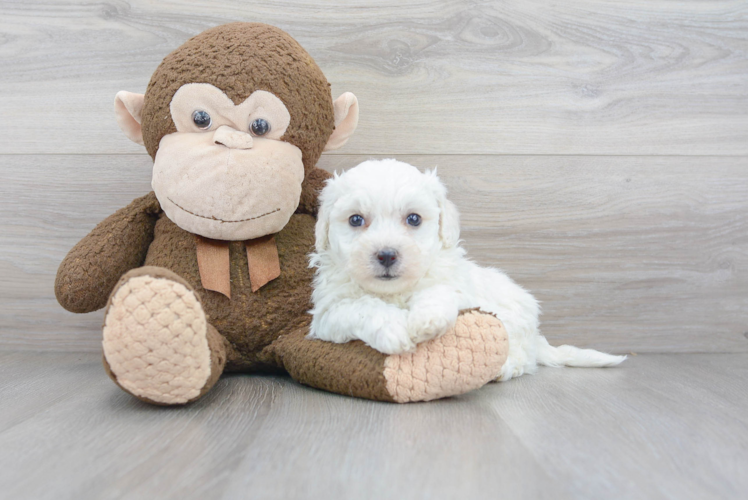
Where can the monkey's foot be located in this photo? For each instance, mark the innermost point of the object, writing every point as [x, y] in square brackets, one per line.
[158, 345]
[465, 358]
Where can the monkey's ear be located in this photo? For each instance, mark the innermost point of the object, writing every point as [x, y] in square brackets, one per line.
[346, 120]
[128, 107]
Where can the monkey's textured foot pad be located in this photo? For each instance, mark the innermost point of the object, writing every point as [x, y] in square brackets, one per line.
[156, 339]
[465, 358]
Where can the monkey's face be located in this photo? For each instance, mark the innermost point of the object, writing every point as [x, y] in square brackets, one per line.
[235, 119]
[225, 173]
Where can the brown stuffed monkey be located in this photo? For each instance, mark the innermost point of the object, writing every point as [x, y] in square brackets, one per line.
[209, 272]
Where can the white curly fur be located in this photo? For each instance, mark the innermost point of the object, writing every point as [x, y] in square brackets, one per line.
[418, 298]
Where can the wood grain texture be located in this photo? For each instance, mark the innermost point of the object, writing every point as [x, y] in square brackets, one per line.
[663, 426]
[656, 427]
[443, 77]
[29, 384]
[646, 254]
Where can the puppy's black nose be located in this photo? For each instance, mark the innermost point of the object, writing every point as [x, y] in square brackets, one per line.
[387, 257]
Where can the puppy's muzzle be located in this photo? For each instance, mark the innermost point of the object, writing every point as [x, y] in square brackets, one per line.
[387, 257]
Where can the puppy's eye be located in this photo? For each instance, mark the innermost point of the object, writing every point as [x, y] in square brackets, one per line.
[259, 127]
[201, 119]
[414, 220]
[356, 220]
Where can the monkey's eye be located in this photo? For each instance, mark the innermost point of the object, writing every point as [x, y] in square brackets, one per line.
[356, 220]
[201, 119]
[413, 220]
[259, 127]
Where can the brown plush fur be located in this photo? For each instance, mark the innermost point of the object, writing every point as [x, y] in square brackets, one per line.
[249, 320]
[240, 58]
[260, 331]
[252, 331]
[119, 243]
[353, 369]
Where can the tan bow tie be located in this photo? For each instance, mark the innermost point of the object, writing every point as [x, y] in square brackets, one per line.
[215, 269]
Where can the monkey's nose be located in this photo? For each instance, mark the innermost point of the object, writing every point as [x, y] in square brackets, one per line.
[387, 257]
[232, 138]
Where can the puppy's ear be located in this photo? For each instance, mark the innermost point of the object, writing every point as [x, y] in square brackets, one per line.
[326, 201]
[449, 217]
[449, 223]
[321, 229]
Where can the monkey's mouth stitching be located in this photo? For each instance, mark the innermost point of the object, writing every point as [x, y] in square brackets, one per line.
[216, 218]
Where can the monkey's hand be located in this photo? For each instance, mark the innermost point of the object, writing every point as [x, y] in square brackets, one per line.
[88, 274]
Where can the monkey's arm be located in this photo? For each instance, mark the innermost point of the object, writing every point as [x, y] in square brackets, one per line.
[313, 184]
[465, 358]
[119, 243]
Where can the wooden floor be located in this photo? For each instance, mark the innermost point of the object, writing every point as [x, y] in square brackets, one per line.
[659, 426]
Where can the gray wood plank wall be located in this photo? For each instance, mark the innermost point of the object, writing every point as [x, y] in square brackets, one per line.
[597, 150]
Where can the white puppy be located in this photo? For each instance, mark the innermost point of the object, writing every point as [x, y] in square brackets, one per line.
[390, 271]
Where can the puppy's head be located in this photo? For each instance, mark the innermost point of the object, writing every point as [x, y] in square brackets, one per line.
[383, 222]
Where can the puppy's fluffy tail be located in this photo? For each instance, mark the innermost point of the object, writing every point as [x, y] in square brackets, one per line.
[566, 355]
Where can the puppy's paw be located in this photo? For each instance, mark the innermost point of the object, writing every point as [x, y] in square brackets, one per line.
[392, 338]
[429, 322]
[510, 370]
